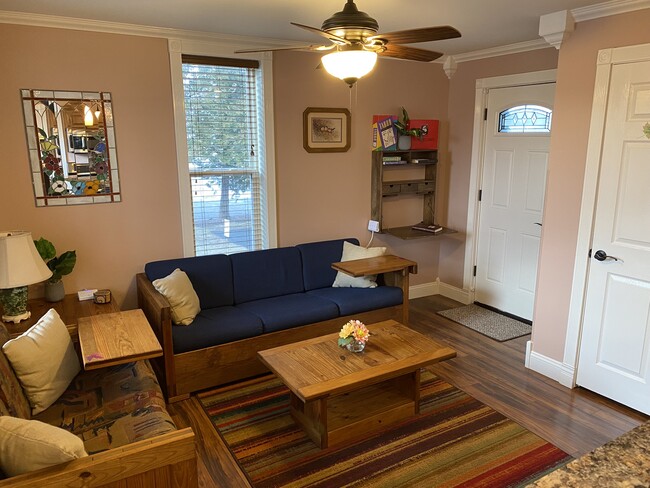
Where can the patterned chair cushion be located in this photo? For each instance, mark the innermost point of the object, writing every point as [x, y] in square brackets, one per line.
[13, 401]
[112, 407]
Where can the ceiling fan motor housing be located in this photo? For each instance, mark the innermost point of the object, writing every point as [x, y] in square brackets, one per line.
[350, 23]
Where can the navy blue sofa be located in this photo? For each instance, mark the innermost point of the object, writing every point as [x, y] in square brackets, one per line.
[253, 301]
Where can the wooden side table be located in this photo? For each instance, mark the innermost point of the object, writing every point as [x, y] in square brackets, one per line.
[70, 309]
[395, 269]
[116, 338]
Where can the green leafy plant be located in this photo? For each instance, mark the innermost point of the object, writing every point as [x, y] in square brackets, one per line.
[60, 266]
[403, 126]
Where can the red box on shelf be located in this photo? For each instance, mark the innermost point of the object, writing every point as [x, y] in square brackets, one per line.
[429, 134]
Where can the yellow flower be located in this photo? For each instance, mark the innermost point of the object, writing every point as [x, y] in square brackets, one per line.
[92, 187]
[346, 331]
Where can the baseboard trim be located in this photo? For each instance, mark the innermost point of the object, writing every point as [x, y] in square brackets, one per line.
[439, 288]
[423, 290]
[459, 294]
[551, 368]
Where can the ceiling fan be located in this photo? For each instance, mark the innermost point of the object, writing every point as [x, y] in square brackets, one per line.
[355, 43]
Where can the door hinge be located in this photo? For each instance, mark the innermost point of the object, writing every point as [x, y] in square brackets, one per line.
[485, 114]
[474, 270]
[480, 195]
[589, 254]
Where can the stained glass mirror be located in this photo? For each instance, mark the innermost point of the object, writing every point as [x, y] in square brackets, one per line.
[71, 142]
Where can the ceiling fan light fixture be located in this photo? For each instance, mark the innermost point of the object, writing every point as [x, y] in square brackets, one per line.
[349, 65]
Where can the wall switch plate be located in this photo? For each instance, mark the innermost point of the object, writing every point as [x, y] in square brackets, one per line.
[373, 226]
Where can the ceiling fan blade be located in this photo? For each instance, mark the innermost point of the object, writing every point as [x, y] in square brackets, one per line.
[425, 34]
[312, 47]
[323, 33]
[410, 53]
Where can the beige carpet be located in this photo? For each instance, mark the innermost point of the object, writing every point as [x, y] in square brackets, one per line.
[489, 323]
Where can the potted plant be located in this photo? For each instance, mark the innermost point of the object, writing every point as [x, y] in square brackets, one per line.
[405, 131]
[60, 266]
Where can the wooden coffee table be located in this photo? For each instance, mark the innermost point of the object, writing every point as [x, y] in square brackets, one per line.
[337, 395]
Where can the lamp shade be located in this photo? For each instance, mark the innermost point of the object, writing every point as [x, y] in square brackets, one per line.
[349, 65]
[20, 262]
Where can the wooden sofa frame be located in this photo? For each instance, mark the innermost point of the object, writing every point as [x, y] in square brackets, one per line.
[192, 371]
[165, 461]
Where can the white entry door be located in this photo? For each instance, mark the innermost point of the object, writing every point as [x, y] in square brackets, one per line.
[512, 196]
[615, 346]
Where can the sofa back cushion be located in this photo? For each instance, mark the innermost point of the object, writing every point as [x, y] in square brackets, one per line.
[265, 274]
[13, 401]
[211, 277]
[317, 259]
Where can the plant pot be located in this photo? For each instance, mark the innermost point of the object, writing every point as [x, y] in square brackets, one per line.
[54, 292]
[404, 143]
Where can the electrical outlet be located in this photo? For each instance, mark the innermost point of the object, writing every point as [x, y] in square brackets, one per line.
[373, 226]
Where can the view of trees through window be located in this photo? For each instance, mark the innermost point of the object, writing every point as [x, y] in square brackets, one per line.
[224, 122]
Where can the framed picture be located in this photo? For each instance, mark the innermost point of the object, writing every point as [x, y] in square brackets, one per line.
[326, 129]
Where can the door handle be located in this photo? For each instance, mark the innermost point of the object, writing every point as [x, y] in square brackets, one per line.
[601, 255]
[538, 223]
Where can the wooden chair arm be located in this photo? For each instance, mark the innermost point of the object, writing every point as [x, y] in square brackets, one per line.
[170, 457]
[158, 312]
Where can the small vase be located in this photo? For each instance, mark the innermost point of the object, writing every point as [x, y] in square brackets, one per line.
[404, 143]
[355, 346]
[54, 292]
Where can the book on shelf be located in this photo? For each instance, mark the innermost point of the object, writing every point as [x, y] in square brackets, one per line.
[391, 158]
[384, 133]
[434, 229]
[392, 163]
[423, 161]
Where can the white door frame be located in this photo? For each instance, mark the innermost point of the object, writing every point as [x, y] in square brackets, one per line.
[606, 59]
[483, 85]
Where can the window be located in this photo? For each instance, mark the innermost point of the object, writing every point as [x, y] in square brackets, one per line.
[224, 115]
[525, 118]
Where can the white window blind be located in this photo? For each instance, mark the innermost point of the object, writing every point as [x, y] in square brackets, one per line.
[224, 114]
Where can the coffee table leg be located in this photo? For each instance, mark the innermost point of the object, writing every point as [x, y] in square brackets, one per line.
[409, 386]
[312, 417]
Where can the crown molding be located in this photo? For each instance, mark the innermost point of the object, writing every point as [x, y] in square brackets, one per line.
[89, 25]
[606, 9]
[519, 47]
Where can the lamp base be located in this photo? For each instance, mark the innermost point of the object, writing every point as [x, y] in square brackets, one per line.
[17, 318]
[14, 304]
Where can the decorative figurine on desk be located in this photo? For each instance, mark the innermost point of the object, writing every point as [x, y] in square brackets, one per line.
[102, 296]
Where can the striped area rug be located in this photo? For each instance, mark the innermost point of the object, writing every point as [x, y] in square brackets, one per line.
[455, 441]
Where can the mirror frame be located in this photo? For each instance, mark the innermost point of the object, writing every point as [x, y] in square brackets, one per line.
[49, 164]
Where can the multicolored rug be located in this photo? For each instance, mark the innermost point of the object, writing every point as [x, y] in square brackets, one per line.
[455, 441]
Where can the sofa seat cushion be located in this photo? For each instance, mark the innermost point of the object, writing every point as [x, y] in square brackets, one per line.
[216, 326]
[357, 300]
[293, 310]
[111, 407]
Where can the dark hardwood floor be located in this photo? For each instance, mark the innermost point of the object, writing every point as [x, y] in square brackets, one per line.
[576, 421]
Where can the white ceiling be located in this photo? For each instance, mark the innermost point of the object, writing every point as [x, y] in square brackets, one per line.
[482, 23]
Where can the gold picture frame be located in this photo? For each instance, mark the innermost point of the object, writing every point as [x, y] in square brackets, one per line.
[326, 129]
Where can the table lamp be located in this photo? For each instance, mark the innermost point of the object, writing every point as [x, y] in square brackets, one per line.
[20, 265]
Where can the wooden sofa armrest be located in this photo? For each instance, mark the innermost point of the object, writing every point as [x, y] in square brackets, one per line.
[166, 461]
[158, 312]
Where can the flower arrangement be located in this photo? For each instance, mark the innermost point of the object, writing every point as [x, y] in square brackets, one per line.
[353, 332]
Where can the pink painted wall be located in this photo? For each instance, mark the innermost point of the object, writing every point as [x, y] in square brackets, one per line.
[327, 195]
[461, 125]
[573, 100]
[113, 241]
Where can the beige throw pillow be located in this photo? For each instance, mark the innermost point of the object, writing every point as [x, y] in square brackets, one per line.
[29, 445]
[350, 253]
[179, 292]
[44, 360]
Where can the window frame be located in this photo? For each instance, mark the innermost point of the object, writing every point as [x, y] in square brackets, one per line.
[178, 48]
